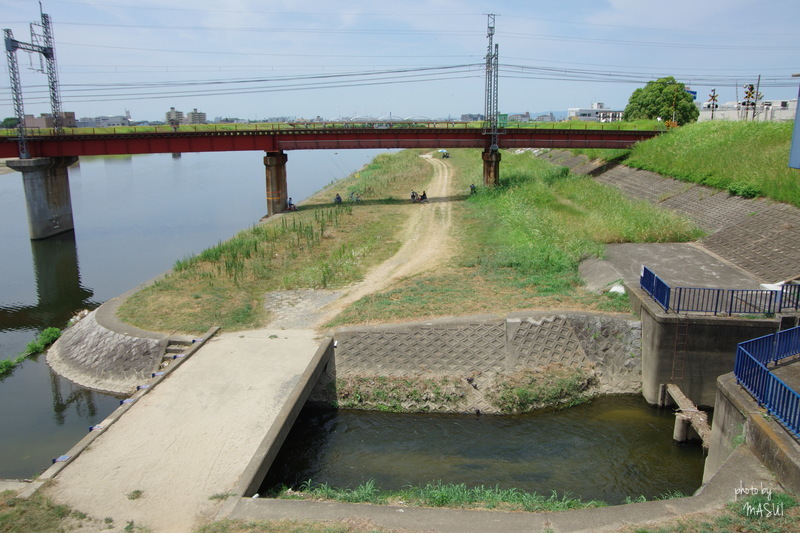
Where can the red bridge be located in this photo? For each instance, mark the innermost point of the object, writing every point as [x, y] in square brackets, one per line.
[315, 136]
[47, 182]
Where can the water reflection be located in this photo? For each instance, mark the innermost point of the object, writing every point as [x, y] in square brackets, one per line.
[79, 398]
[58, 287]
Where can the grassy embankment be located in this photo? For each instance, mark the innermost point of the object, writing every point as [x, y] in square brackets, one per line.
[745, 158]
[319, 246]
[519, 248]
[520, 244]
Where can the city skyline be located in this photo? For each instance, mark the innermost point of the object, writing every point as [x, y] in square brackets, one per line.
[255, 60]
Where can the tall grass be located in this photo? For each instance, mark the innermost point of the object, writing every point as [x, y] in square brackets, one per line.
[543, 221]
[736, 156]
[438, 494]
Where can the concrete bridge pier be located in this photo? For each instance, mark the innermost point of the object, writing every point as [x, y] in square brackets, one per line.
[277, 197]
[491, 168]
[46, 183]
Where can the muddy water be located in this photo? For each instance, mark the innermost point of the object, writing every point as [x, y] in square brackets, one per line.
[610, 449]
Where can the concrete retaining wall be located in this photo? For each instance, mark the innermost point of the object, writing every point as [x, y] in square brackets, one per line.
[99, 358]
[484, 347]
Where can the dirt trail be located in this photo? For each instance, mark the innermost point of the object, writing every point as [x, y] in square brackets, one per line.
[426, 245]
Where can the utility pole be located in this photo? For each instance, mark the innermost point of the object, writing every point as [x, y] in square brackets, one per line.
[42, 43]
[491, 85]
[757, 97]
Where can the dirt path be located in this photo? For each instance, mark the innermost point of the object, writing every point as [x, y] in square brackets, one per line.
[426, 245]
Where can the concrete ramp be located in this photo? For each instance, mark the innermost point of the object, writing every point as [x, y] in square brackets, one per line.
[193, 436]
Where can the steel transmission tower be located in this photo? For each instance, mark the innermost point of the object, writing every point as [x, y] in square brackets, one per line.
[42, 37]
[491, 86]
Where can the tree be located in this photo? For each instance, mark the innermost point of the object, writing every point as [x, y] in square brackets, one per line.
[663, 98]
[10, 122]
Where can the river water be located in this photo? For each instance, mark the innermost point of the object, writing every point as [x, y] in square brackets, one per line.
[610, 449]
[134, 217]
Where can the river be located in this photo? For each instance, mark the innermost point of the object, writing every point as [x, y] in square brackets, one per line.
[134, 217]
[611, 449]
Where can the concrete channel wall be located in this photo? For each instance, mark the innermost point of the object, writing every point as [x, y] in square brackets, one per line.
[738, 420]
[475, 351]
[709, 350]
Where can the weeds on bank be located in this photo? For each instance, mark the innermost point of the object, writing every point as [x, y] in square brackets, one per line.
[39, 513]
[322, 245]
[548, 387]
[397, 394]
[438, 494]
[36, 346]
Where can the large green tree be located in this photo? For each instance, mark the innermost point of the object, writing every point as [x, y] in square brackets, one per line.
[10, 122]
[665, 98]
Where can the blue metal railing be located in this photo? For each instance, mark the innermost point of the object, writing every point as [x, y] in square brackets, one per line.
[727, 301]
[750, 369]
[655, 287]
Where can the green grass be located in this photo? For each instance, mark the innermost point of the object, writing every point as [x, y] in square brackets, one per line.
[746, 158]
[438, 494]
[47, 337]
[548, 387]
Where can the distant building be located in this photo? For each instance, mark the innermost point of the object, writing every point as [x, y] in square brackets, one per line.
[766, 111]
[519, 117]
[597, 113]
[547, 117]
[103, 122]
[173, 116]
[472, 117]
[195, 117]
[45, 120]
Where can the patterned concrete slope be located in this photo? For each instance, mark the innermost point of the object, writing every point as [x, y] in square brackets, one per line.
[757, 235]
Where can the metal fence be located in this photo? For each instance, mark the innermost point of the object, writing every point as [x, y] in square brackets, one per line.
[750, 369]
[655, 287]
[716, 301]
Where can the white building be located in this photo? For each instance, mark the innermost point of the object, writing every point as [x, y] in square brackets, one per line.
[597, 113]
[173, 116]
[195, 117]
[766, 111]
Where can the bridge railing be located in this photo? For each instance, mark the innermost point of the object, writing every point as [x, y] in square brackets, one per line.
[752, 372]
[289, 126]
[719, 301]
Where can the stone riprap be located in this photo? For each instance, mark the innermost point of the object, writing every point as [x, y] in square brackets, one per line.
[96, 357]
[478, 352]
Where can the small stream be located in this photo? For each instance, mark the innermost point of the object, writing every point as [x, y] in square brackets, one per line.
[612, 448]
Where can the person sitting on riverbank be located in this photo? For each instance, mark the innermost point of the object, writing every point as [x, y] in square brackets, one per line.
[338, 199]
[290, 206]
[413, 196]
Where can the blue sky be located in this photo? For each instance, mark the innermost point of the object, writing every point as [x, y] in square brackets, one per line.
[255, 59]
